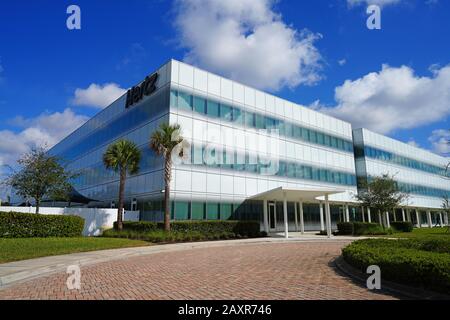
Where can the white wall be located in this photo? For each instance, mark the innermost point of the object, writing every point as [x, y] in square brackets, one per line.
[96, 220]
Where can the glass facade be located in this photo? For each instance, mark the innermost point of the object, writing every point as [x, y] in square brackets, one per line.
[378, 154]
[132, 118]
[287, 169]
[236, 115]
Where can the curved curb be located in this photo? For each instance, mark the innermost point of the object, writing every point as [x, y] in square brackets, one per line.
[406, 292]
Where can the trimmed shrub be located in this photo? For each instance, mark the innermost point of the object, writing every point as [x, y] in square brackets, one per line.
[400, 226]
[345, 228]
[29, 225]
[366, 228]
[360, 228]
[160, 236]
[242, 228]
[187, 231]
[422, 263]
[138, 226]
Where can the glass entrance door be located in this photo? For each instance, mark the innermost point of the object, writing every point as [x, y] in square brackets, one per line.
[272, 217]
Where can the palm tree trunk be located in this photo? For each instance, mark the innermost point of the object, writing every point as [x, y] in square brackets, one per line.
[167, 178]
[121, 195]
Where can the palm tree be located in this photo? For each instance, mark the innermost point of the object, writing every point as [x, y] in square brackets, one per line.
[164, 141]
[122, 156]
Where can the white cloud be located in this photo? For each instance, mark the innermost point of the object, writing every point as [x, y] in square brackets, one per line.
[413, 143]
[342, 62]
[248, 42]
[440, 141]
[98, 96]
[393, 98]
[44, 130]
[380, 3]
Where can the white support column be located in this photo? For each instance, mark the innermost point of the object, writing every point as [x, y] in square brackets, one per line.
[446, 218]
[388, 223]
[394, 211]
[380, 219]
[266, 217]
[408, 215]
[285, 212]
[369, 217]
[362, 213]
[403, 215]
[328, 216]
[430, 222]
[347, 213]
[302, 221]
[441, 221]
[419, 223]
[295, 213]
[322, 225]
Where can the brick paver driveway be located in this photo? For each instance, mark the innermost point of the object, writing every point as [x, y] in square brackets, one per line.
[294, 270]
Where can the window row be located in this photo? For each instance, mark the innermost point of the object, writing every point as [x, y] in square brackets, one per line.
[135, 116]
[275, 167]
[410, 188]
[98, 174]
[422, 190]
[214, 109]
[382, 155]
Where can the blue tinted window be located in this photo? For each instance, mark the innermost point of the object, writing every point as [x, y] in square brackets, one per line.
[213, 109]
[199, 105]
[260, 121]
[313, 136]
[320, 138]
[184, 101]
[249, 119]
[238, 116]
[305, 134]
[226, 112]
[174, 99]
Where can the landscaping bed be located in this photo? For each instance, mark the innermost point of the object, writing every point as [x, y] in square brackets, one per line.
[186, 231]
[421, 262]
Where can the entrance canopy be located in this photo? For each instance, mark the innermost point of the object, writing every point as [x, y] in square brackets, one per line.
[286, 195]
[295, 194]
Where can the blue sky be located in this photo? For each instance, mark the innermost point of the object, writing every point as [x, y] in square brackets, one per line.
[398, 78]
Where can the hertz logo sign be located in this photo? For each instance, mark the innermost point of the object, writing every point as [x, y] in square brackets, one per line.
[146, 88]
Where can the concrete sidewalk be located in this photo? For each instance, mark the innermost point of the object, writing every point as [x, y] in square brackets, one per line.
[15, 272]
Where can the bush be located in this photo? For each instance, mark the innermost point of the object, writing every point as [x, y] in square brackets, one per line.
[138, 226]
[187, 231]
[360, 228]
[345, 228]
[416, 262]
[160, 236]
[366, 228]
[28, 225]
[242, 228]
[400, 226]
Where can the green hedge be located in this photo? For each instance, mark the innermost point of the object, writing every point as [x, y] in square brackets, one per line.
[422, 263]
[240, 228]
[360, 228]
[402, 226]
[138, 226]
[366, 228]
[345, 228]
[28, 225]
[159, 236]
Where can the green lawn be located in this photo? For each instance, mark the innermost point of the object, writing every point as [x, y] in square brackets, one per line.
[422, 233]
[28, 248]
